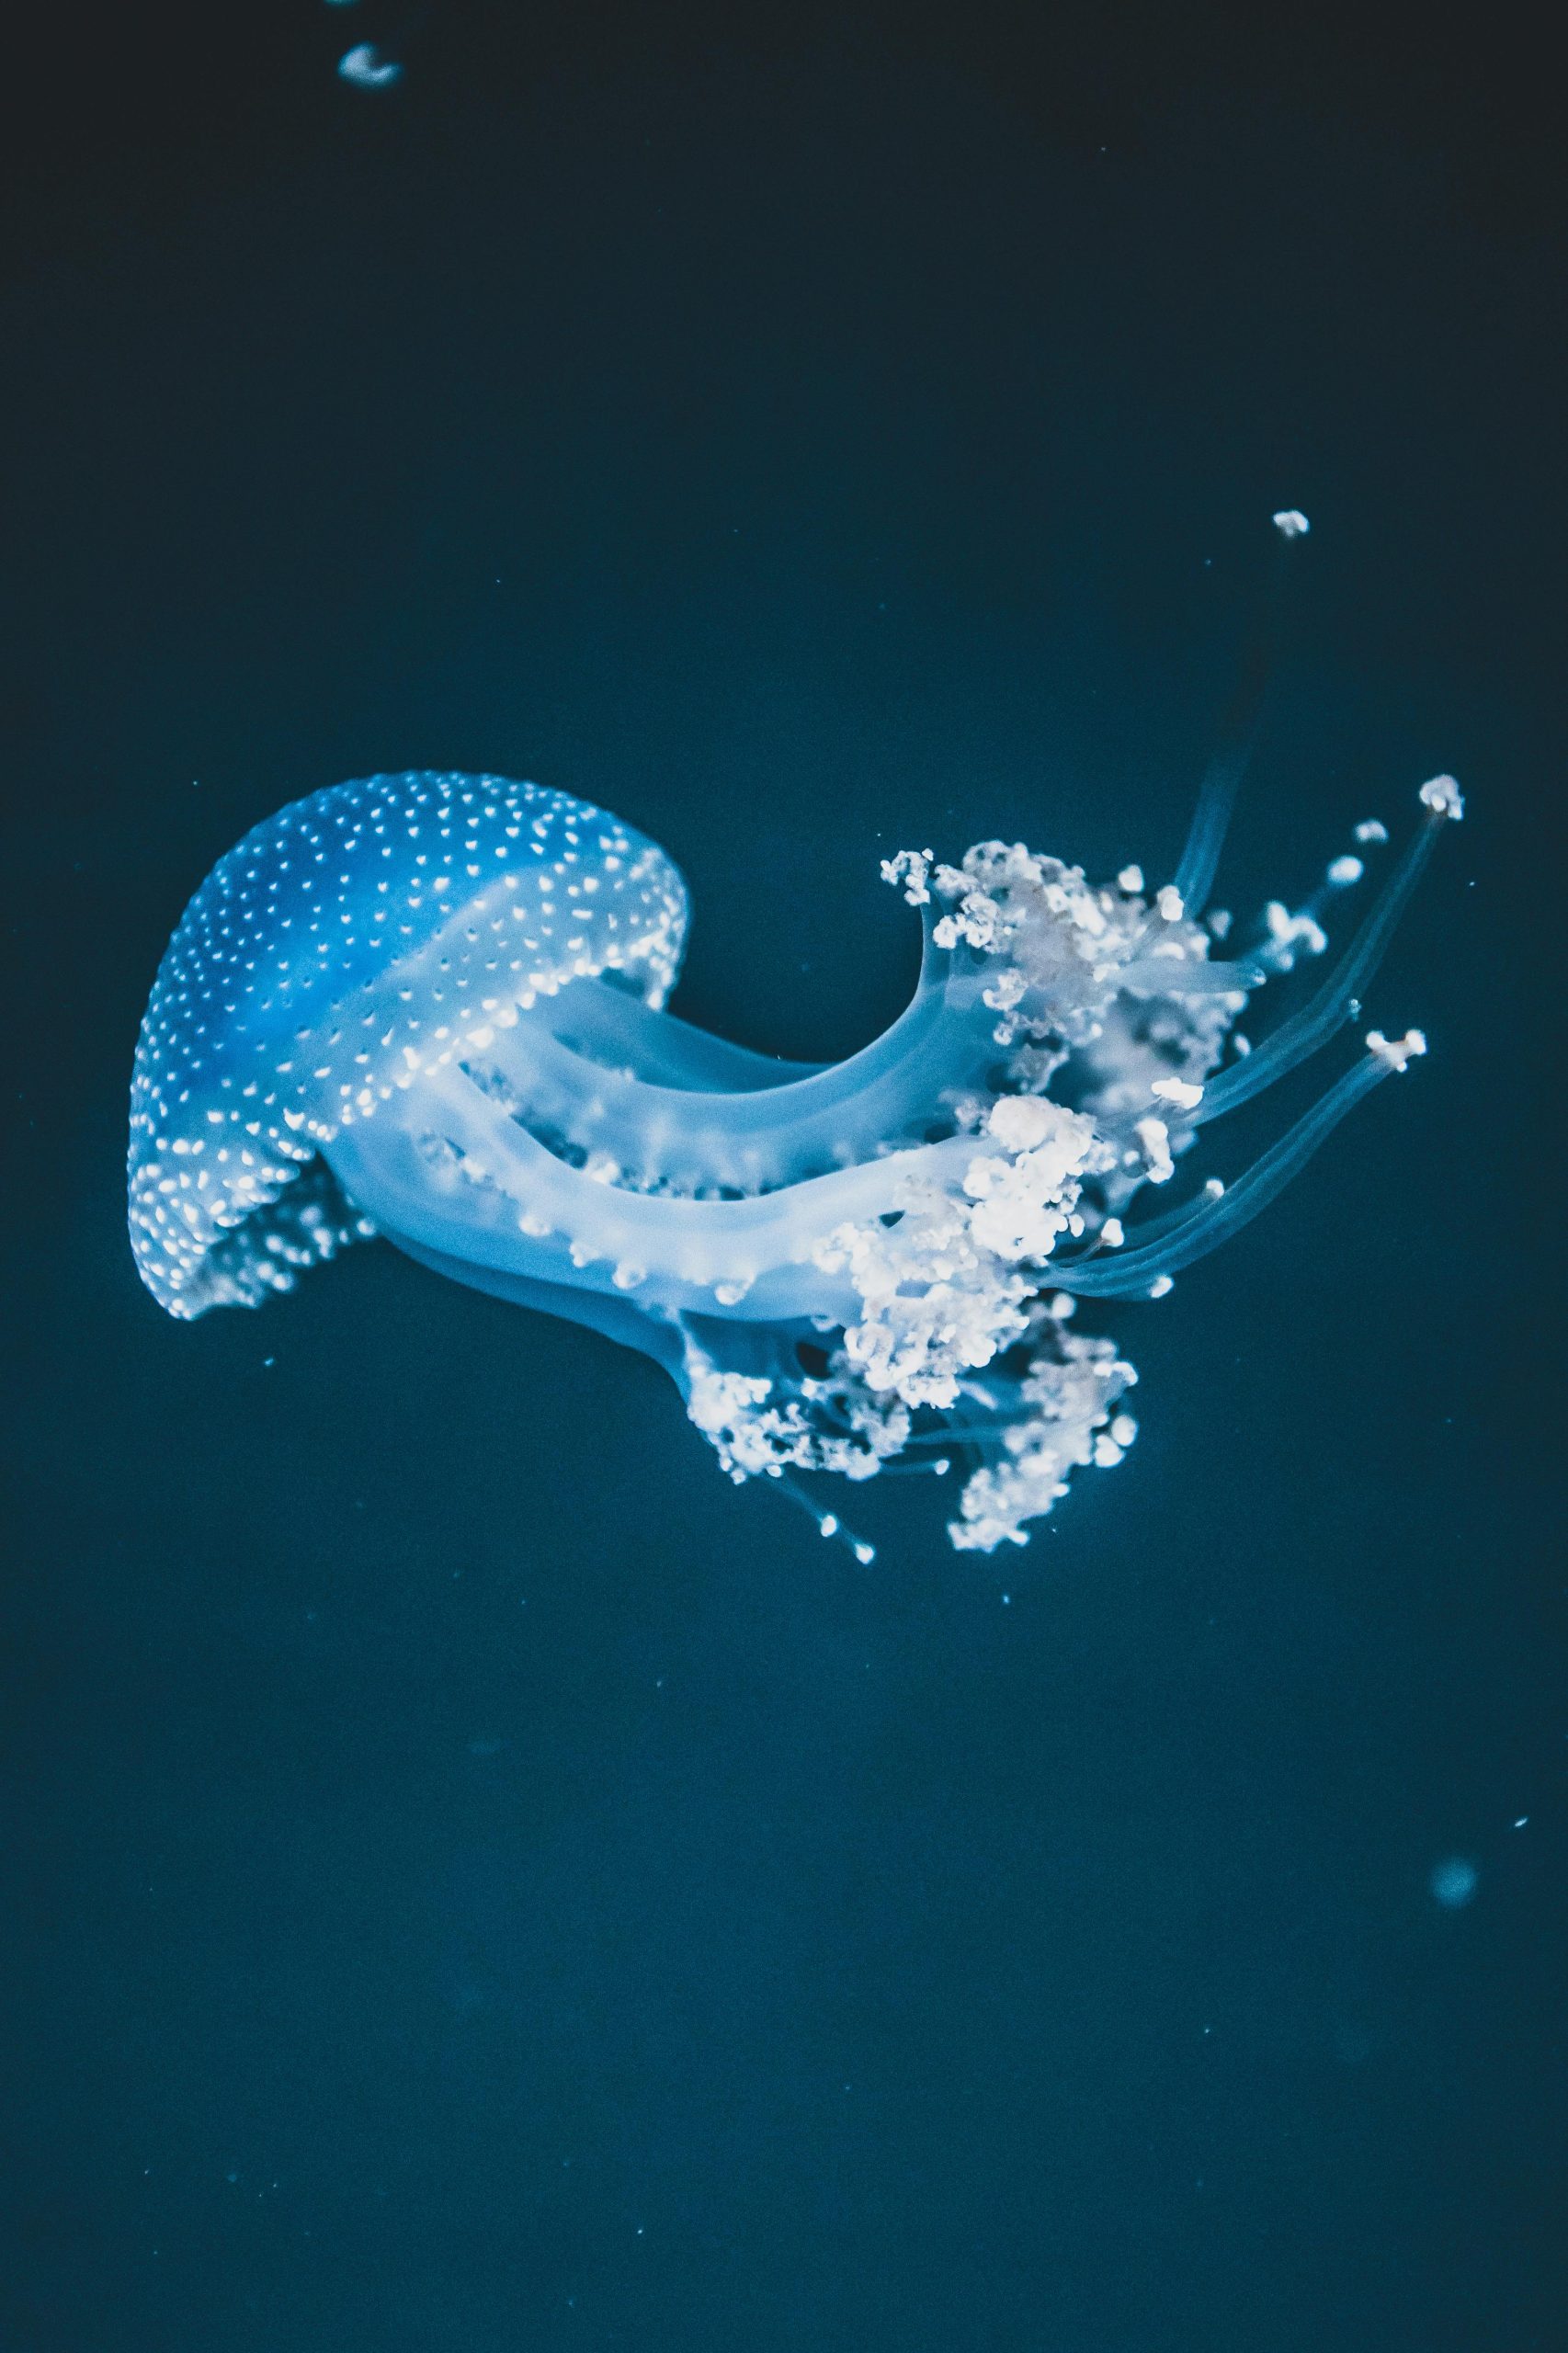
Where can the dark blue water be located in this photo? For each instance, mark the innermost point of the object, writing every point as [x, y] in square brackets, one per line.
[475, 1880]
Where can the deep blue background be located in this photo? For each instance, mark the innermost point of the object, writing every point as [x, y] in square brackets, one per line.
[472, 1880]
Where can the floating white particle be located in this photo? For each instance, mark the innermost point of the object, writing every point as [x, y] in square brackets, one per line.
[368, 70]
[1371, 829]
[1291, 524]
[1345, 871]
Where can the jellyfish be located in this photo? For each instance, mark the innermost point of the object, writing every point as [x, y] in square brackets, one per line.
[433, 1007]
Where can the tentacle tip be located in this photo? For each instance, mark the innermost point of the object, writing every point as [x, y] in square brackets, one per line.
[910, 870]
[1396, 1053]
[1291, 524]
[1182, 1093]
[1442, 796]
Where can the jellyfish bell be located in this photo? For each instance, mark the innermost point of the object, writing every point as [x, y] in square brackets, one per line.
[361, 939]
[433, 1007]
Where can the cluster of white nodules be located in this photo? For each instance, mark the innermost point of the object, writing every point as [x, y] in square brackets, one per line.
[1119, 984]
[959, 1320]
[1062, 1413]
[951, 1319]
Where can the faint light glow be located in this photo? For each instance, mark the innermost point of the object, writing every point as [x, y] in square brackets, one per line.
[1453, 1881]
[365, 66]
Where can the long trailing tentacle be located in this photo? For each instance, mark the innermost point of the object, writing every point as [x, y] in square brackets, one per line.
[1135, 1272]
[1238, 732]
[1336, 1001]
[1113, 1237]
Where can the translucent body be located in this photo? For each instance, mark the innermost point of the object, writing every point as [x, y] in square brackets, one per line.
[840, 1266]
[432, 1006]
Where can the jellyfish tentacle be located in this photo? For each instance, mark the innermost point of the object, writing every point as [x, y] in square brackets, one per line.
[751, 1142]
[1146, 1231]
[1191, 976]
[758, 1248]
[1239, 731]
[597, 1019]
[827, 1523]
[1129, 1274]
[1334, 1003]
[613, 1316]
